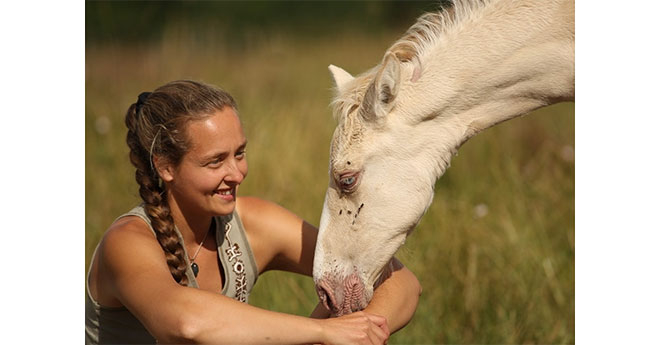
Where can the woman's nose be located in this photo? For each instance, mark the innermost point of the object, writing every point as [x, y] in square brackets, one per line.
[235, 173]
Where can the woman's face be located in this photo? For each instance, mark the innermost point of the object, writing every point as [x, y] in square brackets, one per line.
[210, 172]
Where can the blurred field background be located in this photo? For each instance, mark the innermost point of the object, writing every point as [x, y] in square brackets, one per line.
[495, 253]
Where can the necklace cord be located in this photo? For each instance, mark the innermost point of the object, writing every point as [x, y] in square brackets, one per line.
[202, 243]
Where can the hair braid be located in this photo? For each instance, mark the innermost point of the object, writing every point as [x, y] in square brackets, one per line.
[156, 207]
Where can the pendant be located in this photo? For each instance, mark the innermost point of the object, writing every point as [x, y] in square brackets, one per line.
[195, 268]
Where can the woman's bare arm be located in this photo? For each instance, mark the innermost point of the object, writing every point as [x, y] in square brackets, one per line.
[397, 297]
[291, 242]
[132, 268]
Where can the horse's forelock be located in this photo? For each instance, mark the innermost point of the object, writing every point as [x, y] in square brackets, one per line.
[345, 101]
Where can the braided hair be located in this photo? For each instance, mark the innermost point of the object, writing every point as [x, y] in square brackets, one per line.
[157, 126]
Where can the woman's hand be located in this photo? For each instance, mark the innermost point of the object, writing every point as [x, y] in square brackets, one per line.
[355, 328]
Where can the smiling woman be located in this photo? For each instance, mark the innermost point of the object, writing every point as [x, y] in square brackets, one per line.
[189, 149]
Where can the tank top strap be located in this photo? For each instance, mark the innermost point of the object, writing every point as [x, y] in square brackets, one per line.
[237, 258]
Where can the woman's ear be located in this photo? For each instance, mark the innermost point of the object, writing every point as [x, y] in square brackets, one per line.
[164, 168]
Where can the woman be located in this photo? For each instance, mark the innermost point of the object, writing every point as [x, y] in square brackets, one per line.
[187, 144]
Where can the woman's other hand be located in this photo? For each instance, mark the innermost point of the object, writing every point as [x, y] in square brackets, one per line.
[356, 328]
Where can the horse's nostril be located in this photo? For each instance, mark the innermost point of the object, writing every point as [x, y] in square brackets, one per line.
[326, 297]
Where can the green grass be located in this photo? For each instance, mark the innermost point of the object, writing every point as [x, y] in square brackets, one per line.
[505, 278]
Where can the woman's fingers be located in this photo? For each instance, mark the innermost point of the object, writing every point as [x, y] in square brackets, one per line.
[357, 328]
[376, 335]
[379, 327]
[377, 319]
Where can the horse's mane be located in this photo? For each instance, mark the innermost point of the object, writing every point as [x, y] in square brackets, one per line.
[412, 47]
[431, 27]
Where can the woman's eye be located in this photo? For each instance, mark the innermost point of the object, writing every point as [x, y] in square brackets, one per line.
[214, 163]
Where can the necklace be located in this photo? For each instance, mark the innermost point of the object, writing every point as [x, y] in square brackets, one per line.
[193, 264]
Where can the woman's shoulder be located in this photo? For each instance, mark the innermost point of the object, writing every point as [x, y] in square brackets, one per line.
[268, 220]
[259, 214]
[129, 227]
[127, 241]
[127, 237]
[279, 238]
[246, 205]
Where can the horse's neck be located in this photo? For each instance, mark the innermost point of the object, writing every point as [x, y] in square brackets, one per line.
[514, 57]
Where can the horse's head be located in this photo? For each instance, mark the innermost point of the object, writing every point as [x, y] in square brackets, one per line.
[400, 123]
[381, 183]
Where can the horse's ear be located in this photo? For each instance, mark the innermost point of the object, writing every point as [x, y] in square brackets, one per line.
[386, 85]
[340, 76]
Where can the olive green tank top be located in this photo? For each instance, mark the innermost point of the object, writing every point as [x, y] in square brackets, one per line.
[116, 325]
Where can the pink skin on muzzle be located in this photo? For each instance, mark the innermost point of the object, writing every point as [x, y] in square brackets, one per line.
[341, 295]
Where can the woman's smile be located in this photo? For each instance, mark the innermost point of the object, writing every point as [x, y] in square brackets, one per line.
[228, 194]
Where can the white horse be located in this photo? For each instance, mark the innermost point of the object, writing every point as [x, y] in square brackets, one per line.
[452, 75]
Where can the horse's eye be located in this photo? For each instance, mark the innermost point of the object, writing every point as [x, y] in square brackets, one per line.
[348, 182]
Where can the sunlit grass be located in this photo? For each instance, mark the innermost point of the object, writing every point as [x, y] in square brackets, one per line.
[495, 252]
